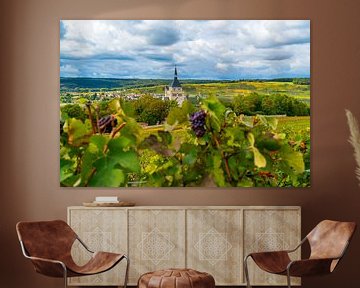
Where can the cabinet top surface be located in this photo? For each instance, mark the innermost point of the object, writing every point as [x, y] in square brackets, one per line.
[192, 207]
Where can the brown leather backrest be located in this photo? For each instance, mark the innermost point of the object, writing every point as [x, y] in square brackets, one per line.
[46, 239]
[329, 238]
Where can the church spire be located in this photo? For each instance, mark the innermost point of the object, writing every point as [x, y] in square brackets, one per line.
[174, 91]
[175, 82]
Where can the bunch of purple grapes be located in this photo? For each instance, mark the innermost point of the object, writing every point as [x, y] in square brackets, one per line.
[107, 123]
[198, 123]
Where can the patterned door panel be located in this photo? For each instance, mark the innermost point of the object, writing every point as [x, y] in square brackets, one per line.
[157, 240]
[100, 230]
[270, 230]
[214, 242]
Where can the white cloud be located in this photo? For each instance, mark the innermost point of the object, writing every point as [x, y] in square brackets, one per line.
[222, 66]
[219, 49]
[68, 71]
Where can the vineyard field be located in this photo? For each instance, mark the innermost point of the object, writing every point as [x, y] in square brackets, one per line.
[294, 123]
[225, 90]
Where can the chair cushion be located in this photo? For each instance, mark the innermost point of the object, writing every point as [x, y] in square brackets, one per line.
[176, 278]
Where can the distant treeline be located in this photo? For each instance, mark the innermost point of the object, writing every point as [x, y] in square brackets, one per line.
[269, 105]
[104, 84]
[150, 110]
[298, 81]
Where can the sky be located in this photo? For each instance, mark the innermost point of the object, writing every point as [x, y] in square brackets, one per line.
[201, 49]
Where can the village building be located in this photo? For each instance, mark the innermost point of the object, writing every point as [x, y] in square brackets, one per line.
[174, 91]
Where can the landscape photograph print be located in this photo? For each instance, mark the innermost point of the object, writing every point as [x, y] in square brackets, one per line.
[185, 103]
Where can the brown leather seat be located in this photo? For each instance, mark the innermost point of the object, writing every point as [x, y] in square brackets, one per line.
[176, 278]
[48, 245]
[328, 242]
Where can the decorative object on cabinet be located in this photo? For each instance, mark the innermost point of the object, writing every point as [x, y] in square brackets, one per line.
[185, 103]
[108, 201]
[328, 242]
[48, 245]
[109, 204]
[176, 278]
[204, 238]
[354, 140]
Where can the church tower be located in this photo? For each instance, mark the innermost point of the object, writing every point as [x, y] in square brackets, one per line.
[174, 91]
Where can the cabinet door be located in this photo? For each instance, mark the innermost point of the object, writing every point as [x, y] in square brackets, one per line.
[270, 230]
[214, 244]
[101, 230]
[156, 240]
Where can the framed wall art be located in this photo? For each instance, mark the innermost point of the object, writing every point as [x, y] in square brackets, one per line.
[185, 103]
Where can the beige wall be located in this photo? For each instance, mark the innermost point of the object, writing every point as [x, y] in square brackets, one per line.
[29, 111]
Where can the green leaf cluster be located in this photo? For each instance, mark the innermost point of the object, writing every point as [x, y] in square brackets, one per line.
[236, 151]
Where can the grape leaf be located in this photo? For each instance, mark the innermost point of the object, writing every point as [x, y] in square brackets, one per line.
[251, 139]
[245, 182]
[166, 137]
[259, 159]
[119, 143]
[191, 153]
[93, 152]
[99, 142]
[126, 159]
[216, 170]
[233, 166]
[78, 132]
[293, 159]
[114, 106]
[214, 107]
[66, 169]
[191, 157]
[235, 136]
[72, 181]
[273, 122]
[107, 177]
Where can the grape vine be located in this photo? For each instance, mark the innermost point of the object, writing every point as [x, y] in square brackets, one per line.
[215, 147]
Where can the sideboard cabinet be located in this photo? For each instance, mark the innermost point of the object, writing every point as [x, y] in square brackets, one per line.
[212, 239]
